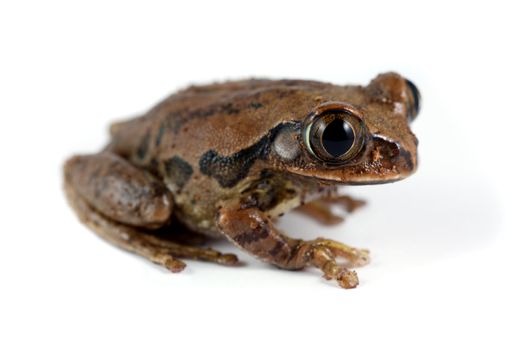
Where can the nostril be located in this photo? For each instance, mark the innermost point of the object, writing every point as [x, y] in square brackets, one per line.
[415, 96]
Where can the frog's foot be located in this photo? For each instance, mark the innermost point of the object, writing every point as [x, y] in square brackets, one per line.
[158, 250]
[176, 250]
[354, 257]
[320, 209]
[323, 253]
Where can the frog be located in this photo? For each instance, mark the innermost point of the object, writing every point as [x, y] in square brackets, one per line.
[228, 159]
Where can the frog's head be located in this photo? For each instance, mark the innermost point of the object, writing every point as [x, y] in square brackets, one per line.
[363, 140]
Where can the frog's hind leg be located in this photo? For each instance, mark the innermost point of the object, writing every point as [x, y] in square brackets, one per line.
[141, 241]
[160, 251]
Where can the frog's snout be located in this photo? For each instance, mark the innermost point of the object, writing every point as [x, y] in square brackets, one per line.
[385, 161]
[395, 160]
[406, 163]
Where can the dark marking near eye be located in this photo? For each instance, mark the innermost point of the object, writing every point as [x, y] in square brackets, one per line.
[160, 133]
[178, 170]
[229, 170]
[144, 146]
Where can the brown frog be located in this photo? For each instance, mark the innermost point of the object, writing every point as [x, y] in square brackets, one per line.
[225, 160]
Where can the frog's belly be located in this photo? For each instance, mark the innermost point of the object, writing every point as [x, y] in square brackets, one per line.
[284, 207]
[201, 217]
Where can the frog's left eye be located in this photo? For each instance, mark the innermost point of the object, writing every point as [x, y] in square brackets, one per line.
[415, 100]
[334, 133]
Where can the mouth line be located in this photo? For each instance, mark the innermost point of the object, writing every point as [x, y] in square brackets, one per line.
[372, 182]
[362, 182]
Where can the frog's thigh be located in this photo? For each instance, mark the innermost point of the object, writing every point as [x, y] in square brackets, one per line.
[252, 230]
[119, 190]
[123, 236]
[134, 239]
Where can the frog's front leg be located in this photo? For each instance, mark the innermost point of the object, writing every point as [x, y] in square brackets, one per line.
[124, 205]
[251, 229]
[320, 209]
[349, 203]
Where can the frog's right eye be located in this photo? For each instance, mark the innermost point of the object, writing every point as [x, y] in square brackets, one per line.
[334, 133]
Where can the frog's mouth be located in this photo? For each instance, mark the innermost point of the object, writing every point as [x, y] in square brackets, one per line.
[384, 161]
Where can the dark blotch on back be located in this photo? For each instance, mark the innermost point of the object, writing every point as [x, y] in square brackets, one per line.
[256, 105]
[178, 170]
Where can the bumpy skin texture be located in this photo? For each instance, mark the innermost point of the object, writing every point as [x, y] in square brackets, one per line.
[225, 159]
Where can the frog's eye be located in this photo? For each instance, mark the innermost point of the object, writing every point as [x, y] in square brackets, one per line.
[334, 134]
[414, 100]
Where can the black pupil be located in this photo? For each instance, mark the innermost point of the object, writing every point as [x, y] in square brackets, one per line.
[338, 137]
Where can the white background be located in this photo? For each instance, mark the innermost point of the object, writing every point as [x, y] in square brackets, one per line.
[447, 244]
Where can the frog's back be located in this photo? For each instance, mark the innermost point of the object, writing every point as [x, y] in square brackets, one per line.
[226, 117]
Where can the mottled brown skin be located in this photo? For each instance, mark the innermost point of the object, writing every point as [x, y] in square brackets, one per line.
[225, 159]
